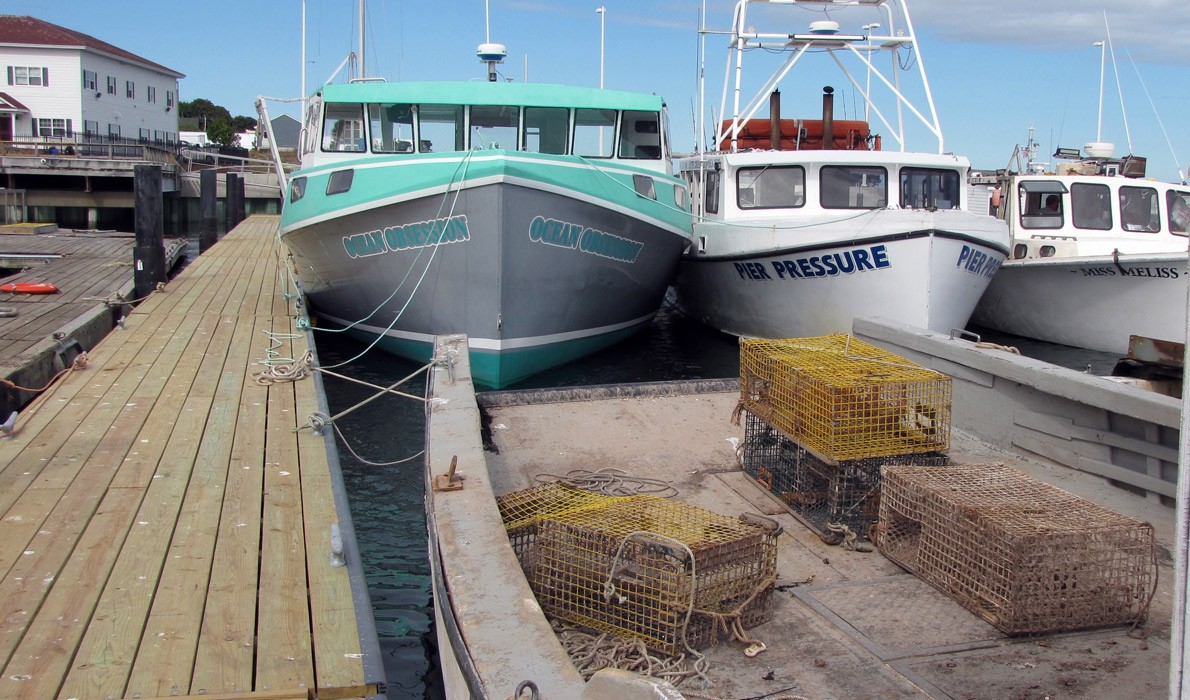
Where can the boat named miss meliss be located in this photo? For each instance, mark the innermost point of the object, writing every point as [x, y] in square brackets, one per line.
[540, 220]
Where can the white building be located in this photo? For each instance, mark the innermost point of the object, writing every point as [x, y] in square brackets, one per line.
[59, 83]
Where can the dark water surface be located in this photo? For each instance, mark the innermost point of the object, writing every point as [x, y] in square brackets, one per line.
[386, 501]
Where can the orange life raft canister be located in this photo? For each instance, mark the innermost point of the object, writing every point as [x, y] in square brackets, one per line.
[28, 288]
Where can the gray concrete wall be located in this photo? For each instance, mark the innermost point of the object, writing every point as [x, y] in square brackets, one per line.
[1122, 433]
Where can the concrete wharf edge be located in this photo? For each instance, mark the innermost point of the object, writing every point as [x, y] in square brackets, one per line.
[164, 526]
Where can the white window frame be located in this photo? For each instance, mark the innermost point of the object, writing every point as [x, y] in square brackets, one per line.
[151, 94]
[90, 80]
[28, 75]
[130, 89]
[111, 84]
[57, 128]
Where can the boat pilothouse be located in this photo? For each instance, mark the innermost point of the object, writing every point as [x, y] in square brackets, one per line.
[431, 208]
[803, 224]
[1098, 253]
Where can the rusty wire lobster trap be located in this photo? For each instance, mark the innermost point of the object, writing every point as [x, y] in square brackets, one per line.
[833, 499]
[644, 567]
[844, 399]
[1026, 556]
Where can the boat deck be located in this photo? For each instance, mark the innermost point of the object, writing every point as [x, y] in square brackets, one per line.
[88, 269]
[845, 624]
[164, 528]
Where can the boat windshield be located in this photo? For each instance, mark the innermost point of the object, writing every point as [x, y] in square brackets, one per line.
[853, 187]
[771, 187]
[392, 127]
[929, 188]
[1178, 204]
[1090, 206]
[1138, 209]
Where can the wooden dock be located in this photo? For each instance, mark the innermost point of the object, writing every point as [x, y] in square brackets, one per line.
[164, 526]
[90, 269]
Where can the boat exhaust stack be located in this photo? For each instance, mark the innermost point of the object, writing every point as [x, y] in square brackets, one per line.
[828, 118]
[775, 120]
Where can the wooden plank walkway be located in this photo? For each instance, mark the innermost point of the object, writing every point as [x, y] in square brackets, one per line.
[90, 269]
[164, 529]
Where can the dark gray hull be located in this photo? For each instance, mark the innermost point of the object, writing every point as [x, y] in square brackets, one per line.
[529, 294]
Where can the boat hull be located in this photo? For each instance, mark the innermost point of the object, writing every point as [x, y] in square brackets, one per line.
[1093, 302]
[534, 277]
[926, 278]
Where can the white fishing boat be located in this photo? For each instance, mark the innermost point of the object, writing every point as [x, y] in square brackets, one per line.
[1098, 253]
[802, 225]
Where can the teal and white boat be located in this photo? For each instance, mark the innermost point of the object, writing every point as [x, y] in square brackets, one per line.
[540, 220]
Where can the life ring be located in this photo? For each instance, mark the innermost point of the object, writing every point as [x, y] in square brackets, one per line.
[28, 288]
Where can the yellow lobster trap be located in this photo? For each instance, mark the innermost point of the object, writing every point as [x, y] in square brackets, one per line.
[642, 567]
[844, 399]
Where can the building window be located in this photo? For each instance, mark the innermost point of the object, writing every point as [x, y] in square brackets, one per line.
[169, 99]
[90, 80]
[28, 75]
[113, 130]
[111, 84]
[144, 135]
[158, 136]
[151, 94]
[90, 128]
[52, 127]
[130, 90]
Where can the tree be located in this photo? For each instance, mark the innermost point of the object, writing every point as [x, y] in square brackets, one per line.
[242, 123]
[220, 132]
[205, 111]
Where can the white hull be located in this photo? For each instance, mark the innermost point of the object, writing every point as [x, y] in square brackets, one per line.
[918, 275]
[1091, 302]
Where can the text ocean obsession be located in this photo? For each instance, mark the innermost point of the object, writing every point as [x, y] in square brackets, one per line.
[585, 239]
[416, 235]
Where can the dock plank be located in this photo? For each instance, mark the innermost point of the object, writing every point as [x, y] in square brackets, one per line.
[164, 526]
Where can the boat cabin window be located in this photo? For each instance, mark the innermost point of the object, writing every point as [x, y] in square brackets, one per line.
[929, 188]
[310, 130]
[546, 129]
[343, 128]
[1041, 204]
[1178, 204]
[771, 187]
[853, 187]
[594, 131]
[1090, 206]
[1138, 209]
[391, 127]
[640, 135]
[495, 126]
[440, 128]
[710, 197]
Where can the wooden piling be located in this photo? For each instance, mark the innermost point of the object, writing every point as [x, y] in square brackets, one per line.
[149, 254]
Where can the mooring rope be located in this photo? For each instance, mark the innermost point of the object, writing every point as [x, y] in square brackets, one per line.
[611, 481]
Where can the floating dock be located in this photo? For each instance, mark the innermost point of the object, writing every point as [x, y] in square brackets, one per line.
[93, 272]
[165, 526]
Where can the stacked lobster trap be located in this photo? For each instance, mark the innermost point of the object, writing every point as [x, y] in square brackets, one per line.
[641, 567]
[823, 414]
[1026, 556]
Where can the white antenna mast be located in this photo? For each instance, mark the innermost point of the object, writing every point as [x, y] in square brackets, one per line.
[1119, 88]
[361, 38]
[490, 53]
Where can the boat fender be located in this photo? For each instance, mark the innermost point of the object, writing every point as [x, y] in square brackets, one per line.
[29, 288]
[7, 312]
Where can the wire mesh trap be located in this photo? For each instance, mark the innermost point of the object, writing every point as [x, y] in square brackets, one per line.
[647, 568]
[844, 399]
[831, 499]
[1027, 557]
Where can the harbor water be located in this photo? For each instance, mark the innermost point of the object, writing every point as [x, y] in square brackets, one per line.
[386, 500]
